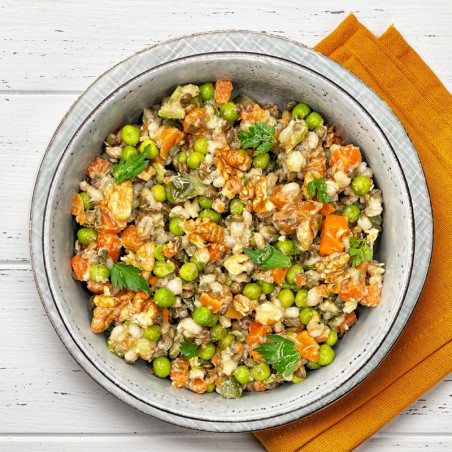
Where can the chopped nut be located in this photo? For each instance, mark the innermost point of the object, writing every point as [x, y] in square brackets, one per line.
[119, 199]
[244, 304]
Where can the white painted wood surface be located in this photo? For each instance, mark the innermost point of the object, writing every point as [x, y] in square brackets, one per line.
[50, 51]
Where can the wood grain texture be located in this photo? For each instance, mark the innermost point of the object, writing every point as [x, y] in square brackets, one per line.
[49, 53]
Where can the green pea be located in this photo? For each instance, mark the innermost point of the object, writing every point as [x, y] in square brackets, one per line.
[226, 341]
[229, 112]
[301, 110]
[158, 253]
[174, 226]
[199, 265]
[214, 320]
[128, 152]
[207, 91]
[152, 333]
[182, 157]
[153, 150]
[261, 371]
[218, 333]
[286, 297]
[195, 159]
[205, 203]
[207, 351]
[99, 273]
[313, 120]
[236, 207]
[267, 288]
[162, 366]
[293, 272]
[252, 291]
[301, 299]
[242, 374]
[261, 161]
[201, 145]
[203, 316]
[211, 387]
[306, 315]
[164, 297]
[162, 269]
[361, 185]
[130, 135]
[296, 379]
[188, 272]
[160, 172]
[285, 246]
[159, 192]
[230, 388]
[86, 235]
[210, 213]
[86, 200]
[313, 365]
[326, 355]
[351, 212]
[332, 338]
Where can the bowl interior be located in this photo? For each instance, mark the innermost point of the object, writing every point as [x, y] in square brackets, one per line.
[267, 79]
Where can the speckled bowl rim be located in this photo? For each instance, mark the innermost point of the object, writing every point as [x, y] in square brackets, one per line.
[174, 417]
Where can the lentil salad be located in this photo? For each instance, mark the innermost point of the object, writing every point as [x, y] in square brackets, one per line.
[228, 244]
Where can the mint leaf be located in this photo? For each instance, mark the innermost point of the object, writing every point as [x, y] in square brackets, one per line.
[268, 258]
[188, 348]
[128, 277]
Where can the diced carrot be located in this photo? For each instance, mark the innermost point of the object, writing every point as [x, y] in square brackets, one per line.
[285, 194]
[179, 379]
[78, 209]
[215, 251]
[223, 90]
[372, 296]
[213, 303]
[108, 223]
[349, 321]
[300, 279]
[98, 167]
[259, 386]
[345, 158]
[334, 229]
[98, 287]
[80, 266]
[307, 346]
[195, 121]
[256, 332]
[199, 386]
[327, 208]
[170, 250]
[112, 243]
[130, 238]
[168, 138]
[153, 281]
[353, 290]
[256, 114]
[233, 313]
[165, 315]
[215, 360]
[279, 274]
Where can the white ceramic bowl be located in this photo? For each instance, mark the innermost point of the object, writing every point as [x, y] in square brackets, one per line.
[118, 97]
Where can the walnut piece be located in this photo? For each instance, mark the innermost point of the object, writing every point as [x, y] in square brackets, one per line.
[202, 230]
[244, 304]
[119, 199]
[332, 267]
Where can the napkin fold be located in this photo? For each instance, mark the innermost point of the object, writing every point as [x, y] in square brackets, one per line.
[423, 354]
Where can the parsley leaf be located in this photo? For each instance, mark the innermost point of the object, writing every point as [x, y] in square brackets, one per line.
[319, 186]
[281, 353]
[131, 168]
[259, 136]
[268, 258]
[359, 251]
[188, 348]
[128, 277]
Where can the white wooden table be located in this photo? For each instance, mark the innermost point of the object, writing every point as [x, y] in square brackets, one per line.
[50, 51]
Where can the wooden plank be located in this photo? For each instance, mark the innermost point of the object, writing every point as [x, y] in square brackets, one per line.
[28, 123]
[72, 402]
[406, 443]
[47, 46]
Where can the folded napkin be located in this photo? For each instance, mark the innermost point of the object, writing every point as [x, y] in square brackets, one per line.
[423, 354]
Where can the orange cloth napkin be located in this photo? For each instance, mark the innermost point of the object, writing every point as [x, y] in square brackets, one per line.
[423, 354]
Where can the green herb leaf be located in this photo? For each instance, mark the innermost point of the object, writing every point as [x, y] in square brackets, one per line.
[281, 353]
[259, 136]
[268, 258]
[128, 277]
[319, 186]
[131, 168]
[359, 251]
[188, 348]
